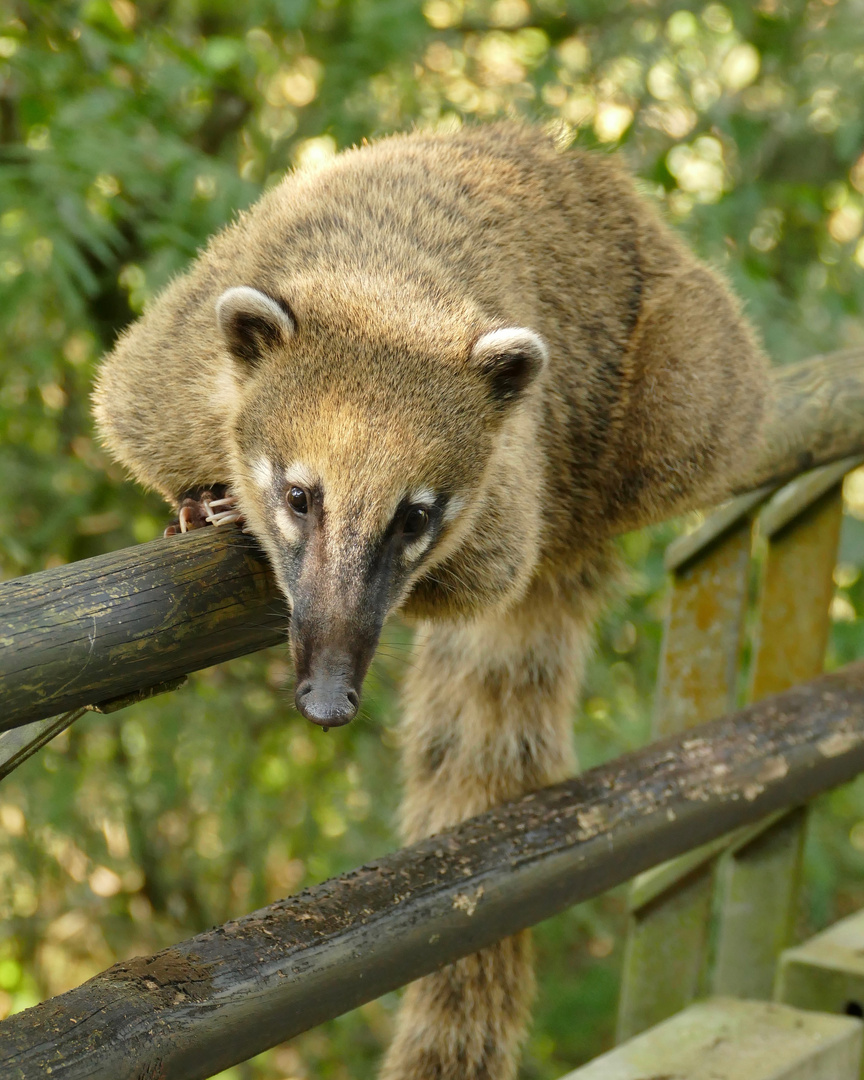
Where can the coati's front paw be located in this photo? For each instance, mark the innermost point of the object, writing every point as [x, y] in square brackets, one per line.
[205, 506]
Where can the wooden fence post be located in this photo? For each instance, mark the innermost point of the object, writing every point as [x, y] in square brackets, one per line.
[670, 906]
[759, 882]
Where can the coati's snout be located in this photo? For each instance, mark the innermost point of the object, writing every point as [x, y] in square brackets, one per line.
[329, 677]
[332, 651]
[327, 703]
[335, 624]
[343, 581]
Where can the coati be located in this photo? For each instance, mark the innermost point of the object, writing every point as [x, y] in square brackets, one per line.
[435, 377]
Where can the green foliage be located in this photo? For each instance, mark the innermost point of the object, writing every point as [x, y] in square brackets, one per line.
[130, 131]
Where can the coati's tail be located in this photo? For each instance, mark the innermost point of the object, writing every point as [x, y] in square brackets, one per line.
[468, 1020]
[488, 716]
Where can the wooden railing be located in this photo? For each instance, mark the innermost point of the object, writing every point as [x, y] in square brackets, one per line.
[218, 998]
[710, 821]
[794, 536]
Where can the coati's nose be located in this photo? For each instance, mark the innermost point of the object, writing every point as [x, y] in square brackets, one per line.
[328, 703]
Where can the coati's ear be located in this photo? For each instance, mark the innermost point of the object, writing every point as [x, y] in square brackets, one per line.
[511, 359]
[252, 322]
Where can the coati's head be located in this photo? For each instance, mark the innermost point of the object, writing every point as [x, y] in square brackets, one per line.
[377, 457]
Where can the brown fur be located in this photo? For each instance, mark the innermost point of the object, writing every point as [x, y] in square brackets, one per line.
[394, 260]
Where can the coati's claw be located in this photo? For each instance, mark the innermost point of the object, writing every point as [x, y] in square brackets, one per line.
[223, 511]
[201, 507]
[228, 518]
[187, 518]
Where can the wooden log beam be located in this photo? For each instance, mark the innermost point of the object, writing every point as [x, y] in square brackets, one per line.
[104, 628]
[232, 992]
[107, 627]
[817, 417]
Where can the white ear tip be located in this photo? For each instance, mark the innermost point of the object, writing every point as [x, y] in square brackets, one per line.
[510, 359]
[512, 339]
[244, 300]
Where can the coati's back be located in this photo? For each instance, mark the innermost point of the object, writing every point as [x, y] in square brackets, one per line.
[435, 237]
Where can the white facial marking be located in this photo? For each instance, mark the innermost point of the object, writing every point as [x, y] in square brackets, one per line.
[288, 525]
[454, 507]
[297, 474]
[224, 390]
[262, 473]
[415, 548]
[422, 497]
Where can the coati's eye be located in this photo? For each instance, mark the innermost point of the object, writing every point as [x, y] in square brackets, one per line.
[297, 500]
[415, 523]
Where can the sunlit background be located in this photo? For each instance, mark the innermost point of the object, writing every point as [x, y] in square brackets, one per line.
[131, 131]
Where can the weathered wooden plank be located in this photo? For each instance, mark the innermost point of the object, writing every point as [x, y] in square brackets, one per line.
[790, 500]
[759, 882]
[655, 882]
[670, 906]
[667, 935]
[102, 628]
[826, 972]
[797, 586]
[702, 636]
[728, 1039]
[795, 498]
[227, 994]
[756, 902]
[714, 528]
[665, 951]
